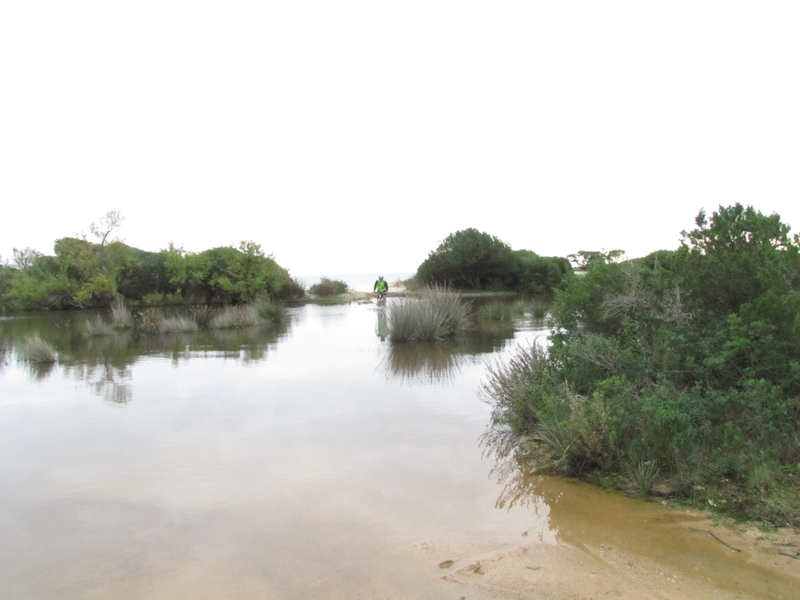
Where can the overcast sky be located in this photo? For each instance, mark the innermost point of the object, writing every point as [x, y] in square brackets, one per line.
[350, 137]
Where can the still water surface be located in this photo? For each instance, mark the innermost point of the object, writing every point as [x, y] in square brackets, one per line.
[257, 464]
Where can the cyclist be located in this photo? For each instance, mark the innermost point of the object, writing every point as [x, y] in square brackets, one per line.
[381, 287]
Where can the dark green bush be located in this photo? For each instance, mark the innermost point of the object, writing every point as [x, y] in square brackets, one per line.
[474, 260]
[683, 363]
[328, 287]
[82, 274]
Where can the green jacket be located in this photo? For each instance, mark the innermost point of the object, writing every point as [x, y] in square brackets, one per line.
[380, 286]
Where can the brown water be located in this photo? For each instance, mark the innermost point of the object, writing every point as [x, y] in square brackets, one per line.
[313, 462]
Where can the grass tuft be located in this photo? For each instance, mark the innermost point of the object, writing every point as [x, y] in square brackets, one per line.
[436, 314]
[500, 311]
[178, 324]
[641, 474]
[270, 312]
[96, 326]
[35, 349]
[121, 317]
[235, 316]
[149, 320]
[203, 315]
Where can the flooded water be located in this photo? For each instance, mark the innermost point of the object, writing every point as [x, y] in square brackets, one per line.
[313, 462]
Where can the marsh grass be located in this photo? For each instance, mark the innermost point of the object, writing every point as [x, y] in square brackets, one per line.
[536, 308]
[500, 311]
[36, 350]
[235, 316]
[269, 312]
[437, 313]
[149, 321]
[202, 314]
[641, 474]
[178, 324]
[97, 326]
[121, 317]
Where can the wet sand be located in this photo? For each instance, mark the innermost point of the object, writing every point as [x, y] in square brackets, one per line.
[596, 569]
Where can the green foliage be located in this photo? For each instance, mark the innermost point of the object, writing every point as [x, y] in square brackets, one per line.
[533, 274]
[688, 358]
[585, 259]
[474, 260]
[82, 275]
[328, 287]
[293, 289]
[467, 259]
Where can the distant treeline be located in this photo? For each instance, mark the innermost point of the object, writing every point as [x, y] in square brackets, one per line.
[82, 274]
[474, 260]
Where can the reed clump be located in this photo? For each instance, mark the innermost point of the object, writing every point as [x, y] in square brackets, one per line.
[538, 309]
[270, 312]
[203, 314]
[500, 311]
[149, 321]
[97, 326]
[178, 324]
[234, 317]
[121, 316]
[36, 350]
[437, 313]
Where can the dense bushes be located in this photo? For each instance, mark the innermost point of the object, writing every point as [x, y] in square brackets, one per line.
[82, 274]
[328, 287]
[684, 363]
[471, 259]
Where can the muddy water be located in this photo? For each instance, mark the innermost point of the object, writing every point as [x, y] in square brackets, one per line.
[313, 462]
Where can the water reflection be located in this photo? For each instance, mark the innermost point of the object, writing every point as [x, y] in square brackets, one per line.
[5, 351]
[112, 383]
[428, 362]
[440, 362]
[104, 362]
[39, 370]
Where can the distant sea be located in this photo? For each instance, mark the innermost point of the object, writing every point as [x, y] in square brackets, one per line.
[361, 282]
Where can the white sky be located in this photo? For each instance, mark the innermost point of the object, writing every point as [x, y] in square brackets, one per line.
[349, 137]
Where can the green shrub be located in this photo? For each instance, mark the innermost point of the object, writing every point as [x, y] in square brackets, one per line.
[474, 260]
[687, 358]
[328, 287]
[294, 289]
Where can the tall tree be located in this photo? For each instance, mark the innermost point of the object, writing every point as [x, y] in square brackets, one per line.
[112, 220]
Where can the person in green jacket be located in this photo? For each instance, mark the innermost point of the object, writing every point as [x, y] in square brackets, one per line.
[381, 287]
